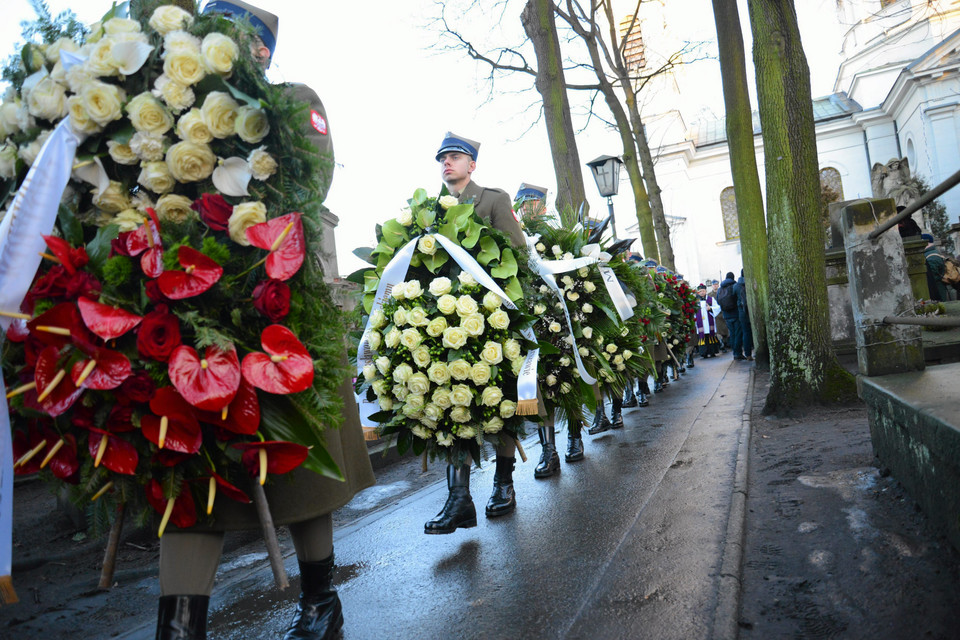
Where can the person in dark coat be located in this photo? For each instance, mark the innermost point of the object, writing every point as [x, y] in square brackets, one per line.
[935, 270]
[727, 300]
[304, 501]
[740, 289]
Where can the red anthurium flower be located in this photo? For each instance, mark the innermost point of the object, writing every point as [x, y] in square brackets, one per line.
[288, 368]
[283, 238]
[229, 490]
[29, 449]
[243, 413]
[18, 330]
[169, 458]
[71, 259]
[104, 369]
[56, 392]
[174, 426]
[120, 419]
[105, 321]
[209, 383]
[64, 464]
[149, 245]
[199, 274]
[281, 456]
[184, 512]
[55, 326]
[113, 452]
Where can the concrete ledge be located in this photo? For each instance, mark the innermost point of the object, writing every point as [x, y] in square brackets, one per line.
[914, 428]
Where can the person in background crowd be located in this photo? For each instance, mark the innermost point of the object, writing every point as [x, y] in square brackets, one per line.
[907, 227]
[740, 289]
[723, 331]
[727, 300]
[935, 270]
[707, 311]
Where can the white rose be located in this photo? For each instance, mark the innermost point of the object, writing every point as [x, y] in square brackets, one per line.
[383, 365]
[174, 208]
[492, 353]
[446, 304]
[399, 292]
[440, 286]
[511, 349]
[611, 348]
[441, 398]
[466, 306]
[627, 354]
[454, 337]
[588, 332]
[427, 245]
[8, 160]
[262, 164]
[251, 124]
[447, 201]
[375, 339]
[402, 373]
[392, 339]
[439, 373]
[385, 402]
[100, 61]
[113, 199]
[473, 324]
[47, 100]
[461, 395]
[219, 112]
[176, 96]
[444, 439]
[491, 396]
[499, 319]
[539, 309]
[410, 411]
[436, 326]
[432, 412]
[589, 287]
[147, 114]
[156, 176]
[467, 432]
[400, 317]
[219, 52]
[460, 414]
[554, 327]
[480, 373]
[121, 25]
[587, 307]
[564, 361]
[573, 296]
[400, 392]
[127, 220]
[551, 380]
[8, 117]
[540, 247]
[102, 102]
[121, 153]
[378, 319]
[493, 425]
[583, 272]
[583, 351]
[369, 372]
[491, 301]
[244, 216]
[557, 251]
[466, 279]
[406, 217]
[189, 162]
[566, 387]
[618, 359]
[168, 17]
[568, 256]
[62, 44]
[411, 338]
[183, 66]
[459, 369]
[417, 317]
[192, 128]
[418, 383]
[180, 40]
[507, 409]
[412, 289]
[567, 282]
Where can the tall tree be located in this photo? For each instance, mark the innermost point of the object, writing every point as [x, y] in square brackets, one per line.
[743, 166]
[803, 366]
[540, 26]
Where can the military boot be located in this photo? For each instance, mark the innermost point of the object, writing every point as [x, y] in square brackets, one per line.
[616, 418]
[549, 458]
[629, 398]
[690, 364]
[503, 500]
[574, 444]
[458, 511]
[182, 618]
[319, 613]
[600, 422]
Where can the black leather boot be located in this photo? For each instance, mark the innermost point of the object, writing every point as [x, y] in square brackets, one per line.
[600, 422]
[503, 500]
[549, 458]
[616, 417]
[574, 444]
[690, 364]
[642, 400]
[182, 618]
[319, 613]
[629, 398]
[657, 385]
[458, 511]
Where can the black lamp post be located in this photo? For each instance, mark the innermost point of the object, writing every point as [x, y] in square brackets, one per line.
[606, 171]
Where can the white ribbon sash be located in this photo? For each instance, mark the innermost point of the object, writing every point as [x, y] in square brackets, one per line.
[395, 273]
[615, 289]
[31, 215]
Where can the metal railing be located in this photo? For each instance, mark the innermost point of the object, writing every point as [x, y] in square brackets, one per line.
[940, 321]
[918, 204]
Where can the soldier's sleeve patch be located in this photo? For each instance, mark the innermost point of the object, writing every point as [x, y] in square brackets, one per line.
[318, 122]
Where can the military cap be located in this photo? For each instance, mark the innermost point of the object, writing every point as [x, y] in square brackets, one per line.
[264, 22]
[650, 263]
[530, 192]
[701, 286]
[453, 142]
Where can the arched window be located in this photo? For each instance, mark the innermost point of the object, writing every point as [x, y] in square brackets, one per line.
[831, 187]
[728, 208]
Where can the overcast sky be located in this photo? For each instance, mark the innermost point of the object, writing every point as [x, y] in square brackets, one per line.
[390, 95]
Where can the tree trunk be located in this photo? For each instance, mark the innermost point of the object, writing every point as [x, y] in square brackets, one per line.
[803, 366]
[743, 166]
[539, 24]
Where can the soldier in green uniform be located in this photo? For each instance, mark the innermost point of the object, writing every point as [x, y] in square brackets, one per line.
[458, 160]
[189, 559]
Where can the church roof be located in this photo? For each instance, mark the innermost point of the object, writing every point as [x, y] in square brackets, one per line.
[835, 105]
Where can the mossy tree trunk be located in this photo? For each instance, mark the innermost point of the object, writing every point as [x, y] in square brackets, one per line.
[540, 26]
[743, 166]
[803, 366]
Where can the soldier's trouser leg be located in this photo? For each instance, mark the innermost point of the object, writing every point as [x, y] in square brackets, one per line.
[319, 613]
[188, 565]
[313, 539]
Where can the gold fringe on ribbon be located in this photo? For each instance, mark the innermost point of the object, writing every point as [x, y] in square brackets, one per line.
[370, 434]
[7, 593]
[527, 407]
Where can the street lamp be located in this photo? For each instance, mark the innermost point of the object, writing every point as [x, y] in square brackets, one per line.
[606, 171]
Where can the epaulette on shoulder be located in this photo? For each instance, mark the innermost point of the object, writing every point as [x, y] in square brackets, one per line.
[495, 190]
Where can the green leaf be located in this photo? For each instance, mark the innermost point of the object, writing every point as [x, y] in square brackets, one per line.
[364, 253]
[368, 301]
[473, 229]
[281, 419]
[459, 213]
[507, 267]
[488, 250]
[449, 230]
[613, 315]
[513, 289]
[98, 249]
[419, 196]
[358, 276]
[69, 225]
[371, 281]
[435, 261]
[394, 233]
[425, 217]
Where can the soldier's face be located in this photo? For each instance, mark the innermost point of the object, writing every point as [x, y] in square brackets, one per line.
[456, 167]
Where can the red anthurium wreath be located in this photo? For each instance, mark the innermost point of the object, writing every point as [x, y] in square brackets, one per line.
[105, 321]
[199, 274]
[209, 383]
[56, 392]
[103, 369]
[71, 258]
[271, 456]
[283, 238]
[173, 424]
[215, 481]
[243, 412]
[146, 240]
[287, 369]
[180, 510]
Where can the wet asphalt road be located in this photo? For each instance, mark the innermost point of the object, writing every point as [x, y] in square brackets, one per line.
[624, 544]
[627, 543]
